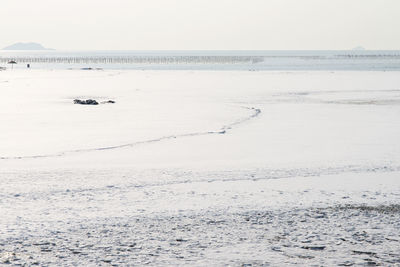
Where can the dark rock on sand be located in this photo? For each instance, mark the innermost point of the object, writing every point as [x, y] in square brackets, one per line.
[86, 102]
[92, 102]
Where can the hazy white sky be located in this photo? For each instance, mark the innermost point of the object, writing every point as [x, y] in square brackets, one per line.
[202, 24]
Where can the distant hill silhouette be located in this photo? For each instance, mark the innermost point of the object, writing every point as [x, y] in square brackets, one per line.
[26, 46]
[359, 48]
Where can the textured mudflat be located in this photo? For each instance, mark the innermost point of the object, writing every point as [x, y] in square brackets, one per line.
[343, 235]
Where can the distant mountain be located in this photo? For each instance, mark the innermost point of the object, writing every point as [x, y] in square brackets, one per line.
[359, 48]
[26, 46]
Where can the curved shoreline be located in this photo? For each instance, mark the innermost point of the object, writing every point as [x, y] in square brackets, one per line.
[224, 129]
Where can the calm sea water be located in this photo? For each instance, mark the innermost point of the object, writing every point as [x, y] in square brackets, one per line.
[382, 60]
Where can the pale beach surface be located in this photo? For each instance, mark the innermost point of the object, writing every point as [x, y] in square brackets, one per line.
[204, 168]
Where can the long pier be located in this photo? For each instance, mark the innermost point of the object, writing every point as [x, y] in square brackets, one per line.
[135, 59]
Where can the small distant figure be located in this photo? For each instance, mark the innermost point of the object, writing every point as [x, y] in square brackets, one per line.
[28, 65]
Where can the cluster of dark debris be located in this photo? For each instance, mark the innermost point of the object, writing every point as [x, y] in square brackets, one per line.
[92, 102]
